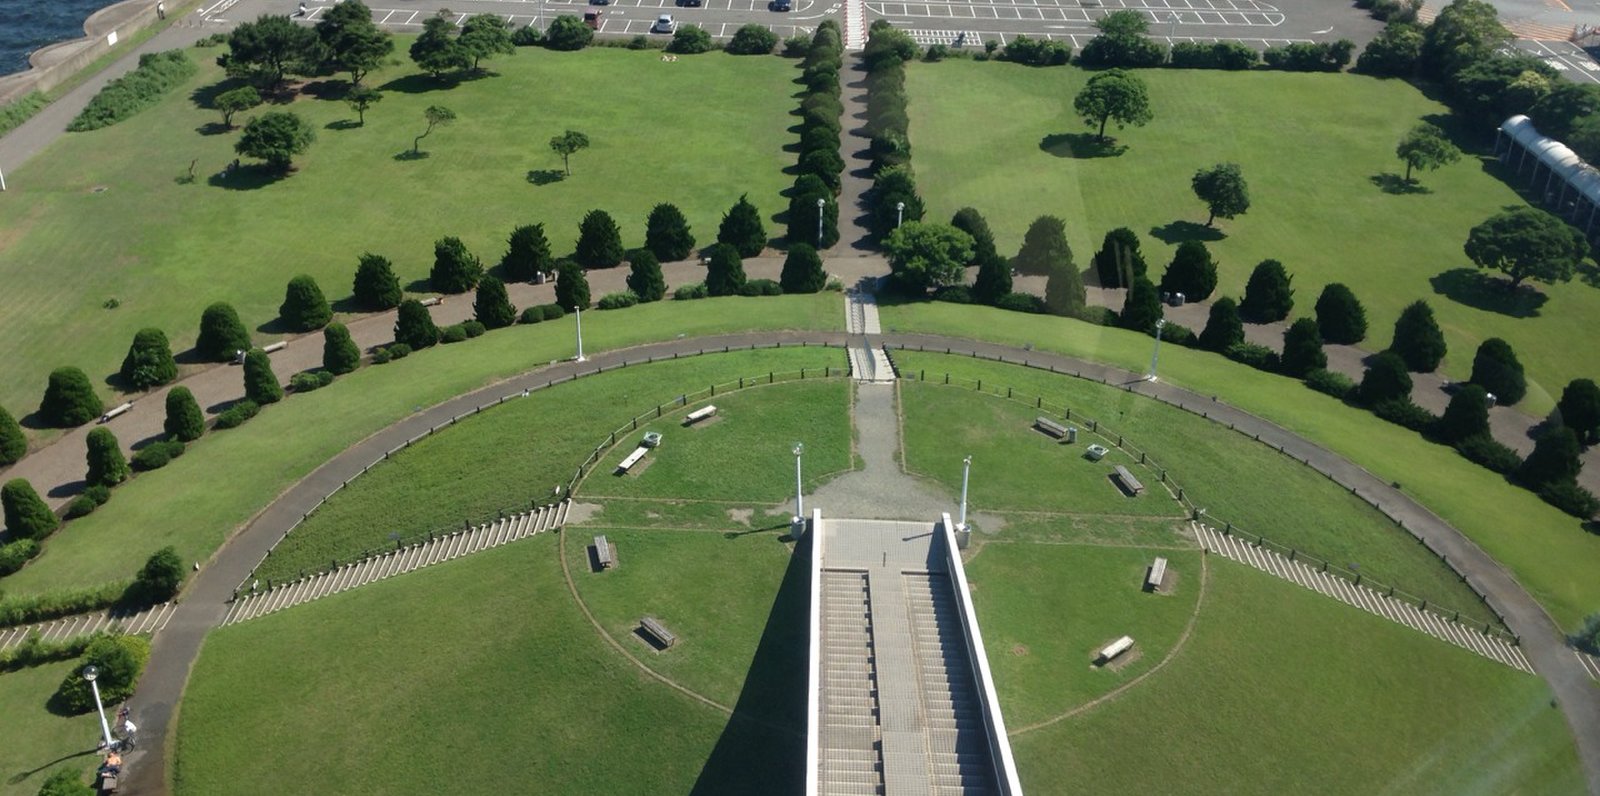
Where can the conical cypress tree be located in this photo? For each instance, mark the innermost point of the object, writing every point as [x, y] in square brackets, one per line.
[1192, 272]
[742, 229]
[149, 362]
[804, 210]
[1268, 297]
[1223, 326]
[414, 326]
[260, 383]
[667, 234]
[1495, 366]
[1340, 315]
[184, 421]
[1467, 415]
[1554, 459]
[1119, 260]
[69, 400]
[802, 270]
[572, 287]
[1418, 339]
[970, 221]
[304, 308]
[527, 253]
[13, 444]
[492, 307]
[1142, 308]
[376, 287]
[644, 276]
[455, 270]
[1044, 248]
[1385, 379]
[107, 466]
[1064, 293]
[1302, 349]
[599, 241]
[27, 516]
[221, 333]
[340, 354]
[725, 273]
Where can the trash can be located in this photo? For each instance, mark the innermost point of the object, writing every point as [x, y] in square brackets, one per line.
[1072, 434]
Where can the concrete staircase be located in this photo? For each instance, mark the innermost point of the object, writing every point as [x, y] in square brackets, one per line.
[958, 750]
[850, 741]
[397, 562]
[147, 621]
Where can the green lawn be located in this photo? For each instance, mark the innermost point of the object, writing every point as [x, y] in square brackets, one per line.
[993, 136]
[741, 455]
[230, 475]
[503, 687]
[37, 741]
[1234, 478]
[1550, 553]
[1043, 638]
[1282, 690]
[165, 250]
[514, 455]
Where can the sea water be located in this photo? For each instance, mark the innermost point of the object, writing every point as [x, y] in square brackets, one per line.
[27, 25]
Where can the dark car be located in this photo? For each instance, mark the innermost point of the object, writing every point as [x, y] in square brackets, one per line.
[691, 3]
[780, 5]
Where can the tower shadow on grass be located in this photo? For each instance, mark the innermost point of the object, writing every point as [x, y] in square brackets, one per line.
[762, 749]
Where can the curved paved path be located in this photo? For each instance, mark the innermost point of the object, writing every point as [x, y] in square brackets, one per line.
[204, 603]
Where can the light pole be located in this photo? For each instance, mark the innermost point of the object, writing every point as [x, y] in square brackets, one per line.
[1155, 357]
[799, 496]
[966, 471]
[579, 312]
[899, 214]
[90, 673]
[820, 204]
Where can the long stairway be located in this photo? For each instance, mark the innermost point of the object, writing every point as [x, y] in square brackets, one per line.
[958, 751]
[850, 741]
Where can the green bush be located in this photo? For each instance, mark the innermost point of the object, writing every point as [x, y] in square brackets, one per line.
[20, 110]
[260, 383]
[527, 253]
[15, 554]
[1467, 415]
[527, 36]
[1570, 498]
[160, 578]
[667, 234]
[13, 443]
[599, 241]
[802, 270]
[1418, 339]
[725, 274]
[1402, 412]
[235, 415]
[1496, 368]
[1268, 297]
[1036, 52]
[1588, 638]
[1340, 315]
[531, 315]
[149, 362]
[184, 420]
[119, 660]
[42, 607]
[157, 74]
[553, 311]
[222, 334]
[304, 308]
[752, 39]
[81, 506]
[99, 493]
[1310, 57]
[66, 782]
[572, 288]
[687, 292]
[340, 354]
[455, 270]
[617, 301]
[1486, 451]
[310, 380]
[453, 333]
[1022, 302]
[106, 463]
[742, 229]
[1302, 349]
[1220, 55]
[690, 40]
[1332, 383]
[157, 455]
[568, 33]
[761, 287]
[414, 326]
[1555, 458]
[1178, 334]
[1385, 379]
[376, 287]
[1256, 356]
[491, 306]
[69, 399]
[474, 329]
[954, 294]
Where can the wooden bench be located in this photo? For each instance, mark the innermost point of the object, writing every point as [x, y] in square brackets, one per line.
[699, 414]
[602, 552]
[1158, 572]
[1114, 649]
[633, 459]
[1129, 483]
[1050, 427]
[654, 627]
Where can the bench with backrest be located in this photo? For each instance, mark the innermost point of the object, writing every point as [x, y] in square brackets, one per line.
[1050, 427]
[1158, 573]
[654, 627]
[1129, 483]
[602, 552]
[632, 459]
[699, 414]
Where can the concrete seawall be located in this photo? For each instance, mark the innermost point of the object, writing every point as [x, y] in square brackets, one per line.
[54, 64]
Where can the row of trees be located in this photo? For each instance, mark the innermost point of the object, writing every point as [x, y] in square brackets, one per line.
[813, 205]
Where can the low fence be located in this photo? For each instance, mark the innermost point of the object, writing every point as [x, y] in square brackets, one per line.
[251, 581]
[1093, 426]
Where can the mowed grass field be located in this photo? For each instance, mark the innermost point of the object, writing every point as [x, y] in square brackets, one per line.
[1281, 690]
[40, 741]
[1549, 552]
[100, 215]
[228, 476]
[1234, 478]
[991, 135]
[515, 454]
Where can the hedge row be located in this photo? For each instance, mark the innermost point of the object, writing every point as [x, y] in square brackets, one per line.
[157, 74]
[813, 205]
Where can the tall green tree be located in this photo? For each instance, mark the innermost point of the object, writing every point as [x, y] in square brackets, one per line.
[1527, 243]
[26, 515]
[455, 270]
[160, 577]
[435, 116]
[275, 137]
[802, 270]
[485, 36]
[1394, 53]
[260, 383]
[1385, 379]
[492, 306]
[1579, 408]
[567, 33]
[149, 362]
[572, 287]
[970, 221]
[1340, 315]
[269, 48]
[925, 256]
[1302, 349]
[725, 271]
[1224, 328]
[340, 354]
[1192, 272]
[1464, 32]
[1418, 339]
[1114, 95]
[69, 399]
[376, 287]
[742, 228]
[185, 422]
[527, 253]
[1426, 147]
[414, 326]
[1268, 296]
[437, 50]
[1141, 308]
[644, 276]
[1119, 261]
[1496, 369]
[1044, 248]
[1223, 189]
[599, 241]
[13, 443]
[304, 308]
[1466, 416]
[107, 466]
[667, 234]
[810, 201]
[361, 99]
[566, 145]
[234, 101]
[353, 42]
[222, 334]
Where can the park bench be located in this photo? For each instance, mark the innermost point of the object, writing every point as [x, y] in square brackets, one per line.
[1114, 649]
[1158, 572]
[1130, 484]
[632, 459]
[654, 627]
[699, 414]
[1050, 427]
[602, 552]
[109, 416]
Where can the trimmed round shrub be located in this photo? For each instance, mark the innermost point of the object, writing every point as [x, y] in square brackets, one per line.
[531, 315]
[69, 399]
[492, 307]
[376, 287]
[452, 334]
[149, 362]
[1486, 451]
[1256, 356]
[1496, 368]
[474, 329]
[553, 311]
[1331, 382]
[1021, 302]
[304, 308]
[690, 40]
[340, 354]
[1340, 315]
[26, 515]
[185, 421]
[761, 287]
[414, 326]
[617, 301]
[261, 385]
[310, 380]
[1402, 412]
[99, 493]
[752, 39]
[237, 414]
[954, 294]
[80, 506]
[222, 334]
[107, 466]
[690, 292]
[1385, 379]
[1268, 296]
[156, 455]
[119, 659]
[1418, 339]
[13, 443]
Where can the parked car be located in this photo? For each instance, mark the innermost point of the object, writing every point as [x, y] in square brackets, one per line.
[664, 24]
[591, 17]
[780, 5]
[691, 3]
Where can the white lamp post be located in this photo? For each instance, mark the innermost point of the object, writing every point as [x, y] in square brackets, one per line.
[799, 495]
[90, 673]
[579, 312]
[966, 471]
[1155, 357]
[820, 204]
[899, 213]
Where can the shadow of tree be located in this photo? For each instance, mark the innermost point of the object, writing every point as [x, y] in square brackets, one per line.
[205, 97]
[408, 154]
[247, 177]
[545, 176]
[330, 89]
[1081, 145]
[342, 124]
[1482, 291]
[419, 286]
[1394, 184]
[420, 84]
[213, 128]
[1181, 231]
